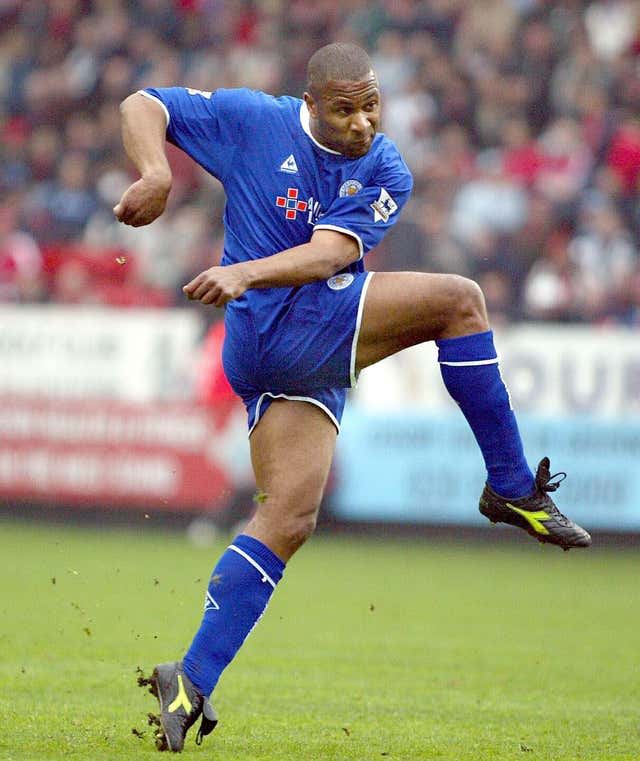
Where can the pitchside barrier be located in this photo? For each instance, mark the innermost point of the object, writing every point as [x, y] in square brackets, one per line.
[405, 453]
[100, 406]
[425, 468]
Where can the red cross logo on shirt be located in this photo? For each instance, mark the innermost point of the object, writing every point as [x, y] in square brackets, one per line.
[291, 203]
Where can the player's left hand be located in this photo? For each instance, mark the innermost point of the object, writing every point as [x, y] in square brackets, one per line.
[143, 201]
[217, 285]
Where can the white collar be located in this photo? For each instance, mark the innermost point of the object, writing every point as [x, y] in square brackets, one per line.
[304, 121]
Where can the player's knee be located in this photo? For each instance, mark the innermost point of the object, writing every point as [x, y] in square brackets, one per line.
[298, 528]
[284, 526]
[469, 305]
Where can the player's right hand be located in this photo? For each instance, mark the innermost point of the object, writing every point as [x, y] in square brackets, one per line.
[218, 285]
[143, 201]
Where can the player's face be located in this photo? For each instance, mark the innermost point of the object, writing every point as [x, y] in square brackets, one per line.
[345, 115]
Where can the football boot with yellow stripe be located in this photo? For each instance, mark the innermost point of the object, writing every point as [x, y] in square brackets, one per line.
[180, 706]
[536, 514]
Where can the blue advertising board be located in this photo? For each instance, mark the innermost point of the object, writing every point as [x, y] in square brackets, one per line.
[426, 468]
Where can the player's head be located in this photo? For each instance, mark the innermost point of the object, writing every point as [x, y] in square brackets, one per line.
[343, 98]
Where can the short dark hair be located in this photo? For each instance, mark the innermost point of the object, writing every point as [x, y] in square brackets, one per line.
[339, 60]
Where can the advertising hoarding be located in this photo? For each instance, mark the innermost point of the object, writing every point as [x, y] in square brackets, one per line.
[75, 352]
[425, 468]
[405, 453]
[161, 456]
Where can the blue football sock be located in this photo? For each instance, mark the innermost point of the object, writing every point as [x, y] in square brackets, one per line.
[469, 367]
[239, 590]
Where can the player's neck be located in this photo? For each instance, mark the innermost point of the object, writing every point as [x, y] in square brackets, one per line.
[312, 132]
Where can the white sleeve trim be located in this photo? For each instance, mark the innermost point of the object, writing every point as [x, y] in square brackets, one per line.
[157, 100]
[346, 232]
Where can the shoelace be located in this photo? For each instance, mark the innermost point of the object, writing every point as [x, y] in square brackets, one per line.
[208, 723]
[548, 484]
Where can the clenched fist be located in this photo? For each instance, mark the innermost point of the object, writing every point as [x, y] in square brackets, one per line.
[143, 201]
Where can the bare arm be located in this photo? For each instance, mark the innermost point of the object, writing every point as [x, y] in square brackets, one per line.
[325, 254]
[143, 134]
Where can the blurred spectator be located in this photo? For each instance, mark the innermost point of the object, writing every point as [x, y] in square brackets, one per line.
[522, 158]
[566, 162]
[604, 259]
[630, 301]
[624, 154]
[497, 287]
[21, 264]
[612, 26]
[577, 70]
[392, 64]
[550, 290]
[408, 116]
[60, 208]
[486, 30]
[534, 64]
[489, 202]
[363, 22]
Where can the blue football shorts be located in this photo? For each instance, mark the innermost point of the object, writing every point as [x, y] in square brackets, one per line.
[302, 348]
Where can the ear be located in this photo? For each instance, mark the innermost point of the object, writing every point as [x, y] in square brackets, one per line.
[311, 105]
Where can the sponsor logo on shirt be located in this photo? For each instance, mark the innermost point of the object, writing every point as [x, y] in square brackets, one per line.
[294, 207]
[289, 165]
[384, 207]
[291, 204]
[349, 188]
[338, 282]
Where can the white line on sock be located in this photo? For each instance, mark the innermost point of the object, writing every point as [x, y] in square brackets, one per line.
[472, 362]
[249, 559]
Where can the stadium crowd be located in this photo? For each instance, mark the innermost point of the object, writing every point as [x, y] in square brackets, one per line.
[518, 118]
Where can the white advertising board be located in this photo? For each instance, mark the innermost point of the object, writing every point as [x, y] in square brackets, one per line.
[549, 370]
[77, 352]
[146, 354]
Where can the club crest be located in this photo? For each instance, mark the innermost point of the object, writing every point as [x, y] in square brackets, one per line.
[350, 188]
[338, 282]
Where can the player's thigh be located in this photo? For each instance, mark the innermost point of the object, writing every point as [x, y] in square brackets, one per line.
[403, 309]
[291, 450]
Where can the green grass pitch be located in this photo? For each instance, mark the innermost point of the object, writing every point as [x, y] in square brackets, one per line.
[370, 650]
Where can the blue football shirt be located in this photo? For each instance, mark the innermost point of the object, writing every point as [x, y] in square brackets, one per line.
[280, 183]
